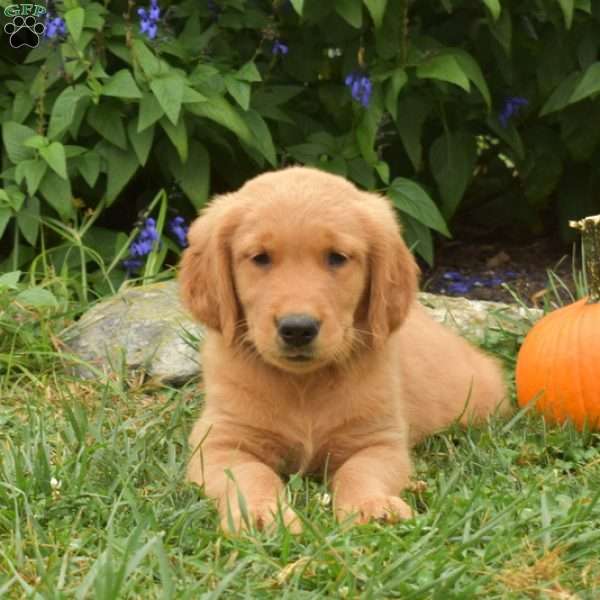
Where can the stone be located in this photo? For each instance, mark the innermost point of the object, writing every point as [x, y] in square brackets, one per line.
[146, 330]
[142, 329]
[498, 326]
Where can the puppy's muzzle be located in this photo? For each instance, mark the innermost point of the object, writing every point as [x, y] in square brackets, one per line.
[297, 331]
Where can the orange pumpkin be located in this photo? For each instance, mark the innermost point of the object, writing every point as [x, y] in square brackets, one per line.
[558, 366]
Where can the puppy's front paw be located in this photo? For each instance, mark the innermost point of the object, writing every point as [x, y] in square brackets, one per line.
[387, 509]
[263, 516]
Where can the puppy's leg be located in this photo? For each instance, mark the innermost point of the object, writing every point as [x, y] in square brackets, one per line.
[242, 485]
[366, 486]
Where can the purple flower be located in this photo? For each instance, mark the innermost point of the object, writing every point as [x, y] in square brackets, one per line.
[141, 246]
[149, 19]
[453, 276]
[360, 87]
[279, 48]
[460, 287]
[511, 108]
[179, 229]
[55, 26]
[132, 265]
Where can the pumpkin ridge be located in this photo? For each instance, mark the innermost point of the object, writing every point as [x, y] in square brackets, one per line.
[580, 420]
[591, 358]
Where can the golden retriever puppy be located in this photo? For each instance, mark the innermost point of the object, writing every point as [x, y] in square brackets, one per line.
[317, 356]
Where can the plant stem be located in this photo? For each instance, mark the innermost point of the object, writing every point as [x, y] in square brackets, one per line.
[404, 33]
[590, 235]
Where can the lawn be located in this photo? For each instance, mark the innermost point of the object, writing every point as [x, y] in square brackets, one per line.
[93, 504]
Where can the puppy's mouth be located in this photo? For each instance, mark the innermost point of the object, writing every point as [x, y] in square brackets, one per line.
[298, 357]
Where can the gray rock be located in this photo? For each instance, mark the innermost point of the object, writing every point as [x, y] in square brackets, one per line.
[145, 329]
[497, 326]
[140, 329]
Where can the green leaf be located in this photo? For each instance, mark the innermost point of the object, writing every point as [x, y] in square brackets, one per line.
[413, 111]
[567, 7]
[106, 120]
[193, 177]
[22, 105]
[263, 141]
[191, 95]
[89, 167]
[377, 9]
[121, 85]
[54, 155]
[178, 136]
[5, 216]
[298, 6]
[502, 30]
[336, 165]
[471, 69]
[219, 110]
[394, 85]
[28, 220]
[444, 67]
[141, 141]
[10, 280]
[121, 166]
[169, 93]
[562, 95]
[57, 193]
[239, 90]
[510, 135]
[383, 170]
[412, 199]
[37, 142]
[12, 198]
[589, 84]
[494, 7]
[541, 174]
[418, 237]
[366, 132]
[74, 19]
[584, 5]
[14, 136]
[94, 16]
[361, 173]
[150, 112]
[146, 59]
[37, 297]
[249, 72]
[33, 171]
[79, 111]
[72, 151]
[350, 11]
[452, 160]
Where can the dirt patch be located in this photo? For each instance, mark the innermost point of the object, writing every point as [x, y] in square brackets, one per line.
[482, 269]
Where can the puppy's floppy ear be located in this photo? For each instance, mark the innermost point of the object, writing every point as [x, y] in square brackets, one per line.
[393, 271]
[206, 276]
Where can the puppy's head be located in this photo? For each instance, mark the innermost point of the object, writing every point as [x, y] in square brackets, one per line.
[302, 266]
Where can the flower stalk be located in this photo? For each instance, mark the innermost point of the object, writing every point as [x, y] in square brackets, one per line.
[590, 236]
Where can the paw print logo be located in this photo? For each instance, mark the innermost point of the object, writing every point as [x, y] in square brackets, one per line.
[24, 31]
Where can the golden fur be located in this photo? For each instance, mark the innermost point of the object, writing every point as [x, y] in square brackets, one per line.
[380, 375]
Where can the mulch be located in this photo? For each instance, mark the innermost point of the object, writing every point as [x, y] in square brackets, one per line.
[491, 270]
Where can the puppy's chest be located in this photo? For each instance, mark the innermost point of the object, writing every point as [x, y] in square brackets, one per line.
[306, 447]
[319, 438]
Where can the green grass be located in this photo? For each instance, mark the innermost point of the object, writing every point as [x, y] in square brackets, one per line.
[93, 504]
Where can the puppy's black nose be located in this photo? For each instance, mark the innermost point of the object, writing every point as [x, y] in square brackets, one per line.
[297, 330]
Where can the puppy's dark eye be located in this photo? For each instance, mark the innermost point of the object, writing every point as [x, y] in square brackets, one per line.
[262, 259]
[335, 259]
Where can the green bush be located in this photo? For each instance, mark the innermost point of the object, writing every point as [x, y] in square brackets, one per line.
[443, 105]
